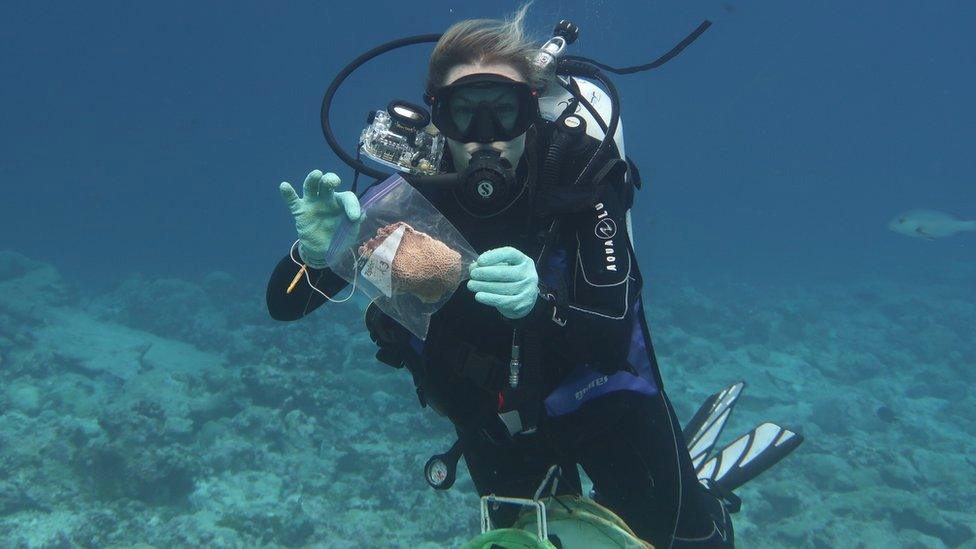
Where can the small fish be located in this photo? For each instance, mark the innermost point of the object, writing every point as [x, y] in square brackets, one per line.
[929, 224]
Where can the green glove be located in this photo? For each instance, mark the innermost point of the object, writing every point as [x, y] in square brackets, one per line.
[318, 213]
[506, 279]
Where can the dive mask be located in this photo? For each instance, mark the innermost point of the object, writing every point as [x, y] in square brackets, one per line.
[483, 108]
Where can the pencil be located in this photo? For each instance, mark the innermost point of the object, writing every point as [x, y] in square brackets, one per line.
[294, 281]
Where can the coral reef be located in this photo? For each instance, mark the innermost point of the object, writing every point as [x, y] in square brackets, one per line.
[175, 413]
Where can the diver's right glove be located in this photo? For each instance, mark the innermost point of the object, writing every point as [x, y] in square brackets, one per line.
[318, 212]
[506, 279]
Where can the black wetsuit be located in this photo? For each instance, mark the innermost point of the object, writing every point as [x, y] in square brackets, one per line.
[616, 422]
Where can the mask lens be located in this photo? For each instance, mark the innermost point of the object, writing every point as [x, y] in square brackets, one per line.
[477, 111]
[506, 109]
[462, 114]
[501, 102]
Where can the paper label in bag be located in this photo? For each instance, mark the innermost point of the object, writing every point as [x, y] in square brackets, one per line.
[379, 266]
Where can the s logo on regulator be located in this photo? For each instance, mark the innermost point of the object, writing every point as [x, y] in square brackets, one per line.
[485, 189]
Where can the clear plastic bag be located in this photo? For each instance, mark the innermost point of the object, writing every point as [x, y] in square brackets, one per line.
[405, 255]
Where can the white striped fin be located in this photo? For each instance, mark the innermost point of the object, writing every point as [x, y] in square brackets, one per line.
[749, 455]
[712, 420]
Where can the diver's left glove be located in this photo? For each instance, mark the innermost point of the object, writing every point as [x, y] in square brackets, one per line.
[318, 214]
[506, 279]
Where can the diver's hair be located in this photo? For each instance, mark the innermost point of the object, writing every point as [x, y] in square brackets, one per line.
[485, 41]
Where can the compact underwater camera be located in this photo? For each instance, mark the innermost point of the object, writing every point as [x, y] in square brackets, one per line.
[402, 138]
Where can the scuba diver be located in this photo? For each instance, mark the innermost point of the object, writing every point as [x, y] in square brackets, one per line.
[544, 356]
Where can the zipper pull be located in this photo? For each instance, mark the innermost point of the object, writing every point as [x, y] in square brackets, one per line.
[515, 364]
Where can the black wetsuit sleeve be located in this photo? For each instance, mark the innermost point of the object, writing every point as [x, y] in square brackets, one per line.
[589, 316]
[303, 299]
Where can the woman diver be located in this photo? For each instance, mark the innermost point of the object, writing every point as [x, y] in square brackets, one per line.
[556, 267]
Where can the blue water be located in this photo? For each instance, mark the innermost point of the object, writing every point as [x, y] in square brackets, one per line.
[142, 142]
[783, 141]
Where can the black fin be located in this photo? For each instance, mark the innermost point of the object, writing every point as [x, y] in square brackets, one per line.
[703, 430]
[749, 455]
